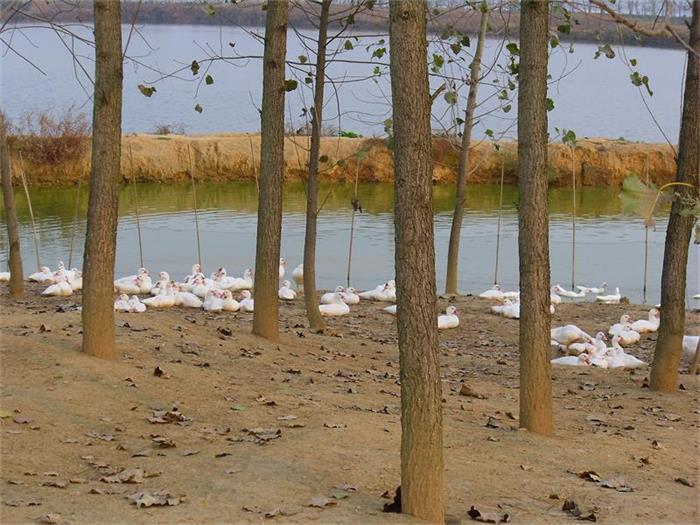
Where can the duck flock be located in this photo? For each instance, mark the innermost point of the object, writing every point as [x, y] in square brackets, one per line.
[587, 350]
[216, 294]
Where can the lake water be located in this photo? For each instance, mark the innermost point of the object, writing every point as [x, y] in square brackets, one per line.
[610, 245]
[594, 97]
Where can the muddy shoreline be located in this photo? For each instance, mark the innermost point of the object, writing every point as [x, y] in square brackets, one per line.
[335, 401]
[222, 157]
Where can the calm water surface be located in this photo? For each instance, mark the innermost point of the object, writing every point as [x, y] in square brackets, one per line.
[610, 245]
[593, 97]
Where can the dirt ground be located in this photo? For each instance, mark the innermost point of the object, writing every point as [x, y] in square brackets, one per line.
[322, 414]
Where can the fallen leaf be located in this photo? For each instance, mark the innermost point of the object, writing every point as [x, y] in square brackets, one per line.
[571, 507]
[335, 425]
[466, 390]
[185, 453]
[22, 503]
[97, 435]
[158, 371]
[50, 519]
[222, 454]
[320, 502]
[618, 483]
[58, 483]
[142, 453]
[395, 505]
[134, 475]
[685, 482]
[159, 498]
[589, 475]
[162, 441]
[487, 517]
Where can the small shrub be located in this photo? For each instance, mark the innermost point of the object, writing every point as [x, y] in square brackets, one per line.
[176, 128]
[51, 138]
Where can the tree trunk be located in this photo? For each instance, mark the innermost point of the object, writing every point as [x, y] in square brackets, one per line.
[269, 234]
[461, 197]
[421, 389]
[533, 222]
[310, 299]
[101, 235]
[664, 370]
[15, 255]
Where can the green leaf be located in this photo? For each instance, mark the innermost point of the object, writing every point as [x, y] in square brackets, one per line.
[550, 104]
[564, 29]
[554, 42]
[323, 158]
[513, 48]
[489, 133]
[146, 91]
[194, 67]
[348, 45]
[607, 50]
[388, 124]
[507, 108]
[456, 47]
[208, 80]
[209, 9]
[379, 52]
[450, 97]
[290, 85]
[376, 71]
[303, 59]
[569, 137]
[340, 163]
[198, 108]
[438, 62]
[633, 61]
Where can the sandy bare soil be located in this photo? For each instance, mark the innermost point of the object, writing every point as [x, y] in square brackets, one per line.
[322, 420]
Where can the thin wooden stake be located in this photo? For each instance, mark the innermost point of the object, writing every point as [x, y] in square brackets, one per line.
[646, 236]
[74, 226]
[194, 202]
[498, 225]
[31, 211]
[352, 220]
[136, 208]
[573, 217]
[252, 160]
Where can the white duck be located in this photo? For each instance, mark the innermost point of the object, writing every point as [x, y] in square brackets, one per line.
[228, 303]
[4, 277]
[589, 347]
[282, 268]
[617, 358]
[242, 283]
[246, 302]
[164, 299]
[501, 305]
[512, 311]
[298, 276]
[568, 334]
[351, 296]
[327, 298]
[122, 303]
[572, 360]
[130, 278]
[76, 280]
[554, 298]
[161, 283]
[593, 289]
[187, 299]
[60, 288]
[221, 281]
[135, 305]
[44, 275]
[390, 309]
[449, 319]
[212, 302]
[611, 298]
[652, 325]
[568, 293]
[370, 294]
[129, 287]
[336, 307]
[388, 294]
[624, 332]
[286, 293]
[494, 293]
[598, 353]
[622, 325]
[201, 286]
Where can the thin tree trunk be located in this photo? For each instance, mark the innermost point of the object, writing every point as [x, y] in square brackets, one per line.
[310, 299]
[269, 234]
[421, 389]
[16, 272]
[461, 197]
[667, 355]
[101, 236]
[533, 222]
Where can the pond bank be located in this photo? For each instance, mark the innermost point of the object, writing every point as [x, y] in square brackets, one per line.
[169, 158]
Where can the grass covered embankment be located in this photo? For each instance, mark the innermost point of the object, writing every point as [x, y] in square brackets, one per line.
[169, 158]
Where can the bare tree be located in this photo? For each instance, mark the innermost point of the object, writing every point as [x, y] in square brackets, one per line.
[269, 234]
[667, 355]
[533, 222]
[463, 169]
[421, 392]
[101, 236]
[15, 254]
[310, 299]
